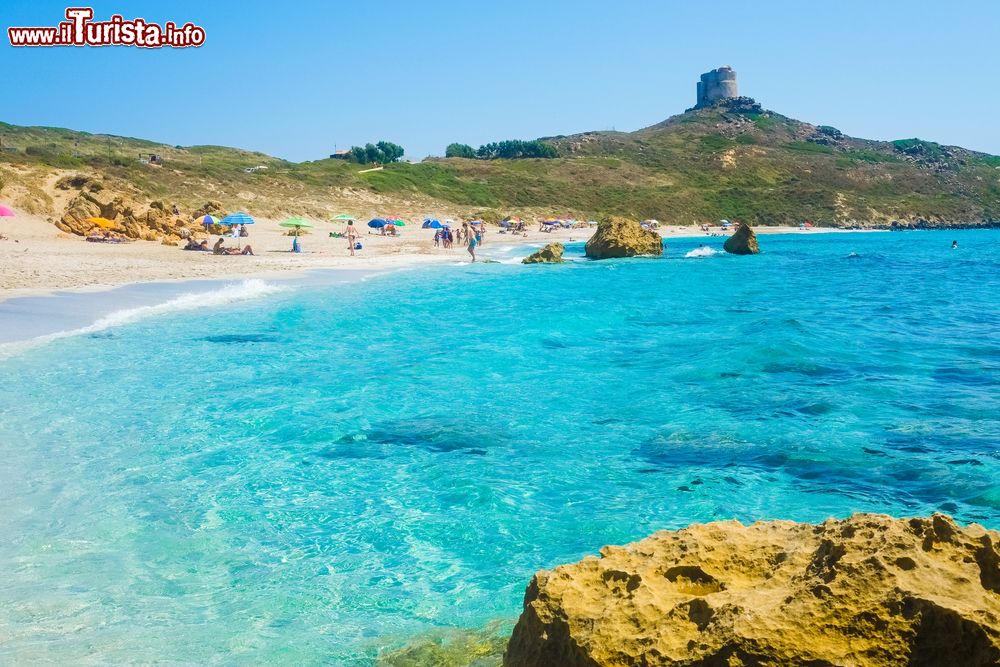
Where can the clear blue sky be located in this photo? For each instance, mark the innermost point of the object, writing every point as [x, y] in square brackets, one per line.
[294, 79]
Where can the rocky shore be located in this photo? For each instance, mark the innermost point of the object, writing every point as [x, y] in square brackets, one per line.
[869, 591]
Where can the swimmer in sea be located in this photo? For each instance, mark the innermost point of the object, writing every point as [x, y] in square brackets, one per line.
[954, 244]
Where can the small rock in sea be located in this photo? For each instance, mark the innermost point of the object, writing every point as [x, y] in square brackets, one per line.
[550, 254]
[742, 242]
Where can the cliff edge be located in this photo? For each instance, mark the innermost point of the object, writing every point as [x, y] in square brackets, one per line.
[870, 590]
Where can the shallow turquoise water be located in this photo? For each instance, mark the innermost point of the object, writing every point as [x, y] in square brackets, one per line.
[323, 473]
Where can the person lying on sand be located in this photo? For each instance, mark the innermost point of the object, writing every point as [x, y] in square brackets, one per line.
[194, 245]
[219, 249]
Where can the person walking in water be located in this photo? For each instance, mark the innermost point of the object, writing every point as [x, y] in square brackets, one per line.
[473, 241]
[352, 236]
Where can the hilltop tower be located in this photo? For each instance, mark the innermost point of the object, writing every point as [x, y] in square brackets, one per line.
[719, 84]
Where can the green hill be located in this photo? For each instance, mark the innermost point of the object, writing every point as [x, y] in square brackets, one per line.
[734, 160]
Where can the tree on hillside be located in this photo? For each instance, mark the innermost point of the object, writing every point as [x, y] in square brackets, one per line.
[383, 152]
[515, 148]
[460, 150]
[390, 152]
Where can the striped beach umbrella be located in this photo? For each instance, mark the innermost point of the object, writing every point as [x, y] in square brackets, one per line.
[238, 218]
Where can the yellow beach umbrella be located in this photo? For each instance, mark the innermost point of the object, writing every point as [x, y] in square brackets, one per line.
[103, 223]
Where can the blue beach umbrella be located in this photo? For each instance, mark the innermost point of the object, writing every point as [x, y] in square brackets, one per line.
[239, 218]
[206, 220]
[376, 223]
[431, 223]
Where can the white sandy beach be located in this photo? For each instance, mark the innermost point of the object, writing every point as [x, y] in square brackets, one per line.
[36, 258]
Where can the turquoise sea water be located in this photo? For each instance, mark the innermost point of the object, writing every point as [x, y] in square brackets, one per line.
[327, 472]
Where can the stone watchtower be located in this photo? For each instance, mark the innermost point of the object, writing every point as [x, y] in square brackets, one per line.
[719, 84]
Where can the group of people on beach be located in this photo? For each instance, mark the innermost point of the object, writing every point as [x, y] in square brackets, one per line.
[218, 249]
[443, 238]
[470, 235]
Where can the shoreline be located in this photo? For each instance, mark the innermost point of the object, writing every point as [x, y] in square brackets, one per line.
[35, 316]
[39, 318]
[39, 260]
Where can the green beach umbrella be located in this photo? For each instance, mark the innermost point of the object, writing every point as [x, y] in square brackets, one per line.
[343, 217]
[296, 224]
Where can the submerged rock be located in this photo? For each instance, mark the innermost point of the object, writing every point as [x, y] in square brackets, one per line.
[550, 254]
[742, 242]
[869, 591]
[618, 237]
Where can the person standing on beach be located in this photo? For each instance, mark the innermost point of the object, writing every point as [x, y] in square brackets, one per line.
[351, 232]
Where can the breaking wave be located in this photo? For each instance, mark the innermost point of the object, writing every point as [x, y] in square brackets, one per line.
[246, 290]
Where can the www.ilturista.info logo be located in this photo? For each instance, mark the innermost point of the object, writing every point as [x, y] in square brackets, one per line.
[80, 30]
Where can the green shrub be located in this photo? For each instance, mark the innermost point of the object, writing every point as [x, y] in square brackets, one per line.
[460, 150]
[715, 142]
[807, 147]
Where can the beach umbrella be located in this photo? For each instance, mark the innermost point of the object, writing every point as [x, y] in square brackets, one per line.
[376, 223]
[103, 223]
[238, 218]
[396, 221]
[296, 224]
[431, 223]
[206, 220]
[6, 212]
[343, 217]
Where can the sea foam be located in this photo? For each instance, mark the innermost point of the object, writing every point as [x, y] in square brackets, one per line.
[230, 293]
[703, 251]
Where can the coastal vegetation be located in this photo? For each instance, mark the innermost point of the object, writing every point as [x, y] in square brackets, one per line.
[384, 152]
[703, 165]
[460, 150]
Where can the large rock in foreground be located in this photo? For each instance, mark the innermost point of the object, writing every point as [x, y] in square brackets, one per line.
[865, 591]
[742, 242]
[618, 237]
[550, 254]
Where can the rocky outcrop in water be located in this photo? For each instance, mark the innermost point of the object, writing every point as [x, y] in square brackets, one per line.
[868, 591]
[619, 237]
[742, 242]
[550, 254]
